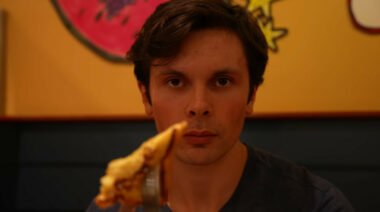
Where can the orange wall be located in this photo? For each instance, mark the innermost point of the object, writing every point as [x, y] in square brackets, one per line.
[324, 64]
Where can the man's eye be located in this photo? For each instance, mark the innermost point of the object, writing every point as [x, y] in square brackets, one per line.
[222, 82]
[175, 82]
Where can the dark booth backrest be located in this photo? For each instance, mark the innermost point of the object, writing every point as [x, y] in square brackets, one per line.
[56, 165]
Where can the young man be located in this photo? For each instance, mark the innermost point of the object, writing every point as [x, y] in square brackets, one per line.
[202, 61]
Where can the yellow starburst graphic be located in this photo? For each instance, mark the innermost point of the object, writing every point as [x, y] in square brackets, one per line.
[263, 4]
[271, 34]
[261, 10]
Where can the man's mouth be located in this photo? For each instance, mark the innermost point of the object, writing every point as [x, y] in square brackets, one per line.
[197, 137]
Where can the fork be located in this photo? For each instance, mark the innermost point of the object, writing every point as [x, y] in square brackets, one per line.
[151, 190]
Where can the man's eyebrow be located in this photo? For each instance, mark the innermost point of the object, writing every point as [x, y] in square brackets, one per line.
[220, 72]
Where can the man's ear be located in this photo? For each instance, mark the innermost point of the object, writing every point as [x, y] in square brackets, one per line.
[147, 105]
[249, 106]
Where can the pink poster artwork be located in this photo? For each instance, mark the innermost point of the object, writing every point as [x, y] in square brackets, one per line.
[106, 26]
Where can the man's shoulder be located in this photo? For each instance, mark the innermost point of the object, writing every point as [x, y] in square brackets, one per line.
[294, 183]
[279, 168]
[276, 183]
[275, 167]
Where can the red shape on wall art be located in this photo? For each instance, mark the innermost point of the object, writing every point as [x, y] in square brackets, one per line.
[106, 26]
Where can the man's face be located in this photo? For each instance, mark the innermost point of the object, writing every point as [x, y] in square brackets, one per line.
[206, 84]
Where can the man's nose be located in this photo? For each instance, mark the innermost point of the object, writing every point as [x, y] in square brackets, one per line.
[199, 104]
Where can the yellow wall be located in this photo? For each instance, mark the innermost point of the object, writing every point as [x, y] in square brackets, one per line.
[324, 64]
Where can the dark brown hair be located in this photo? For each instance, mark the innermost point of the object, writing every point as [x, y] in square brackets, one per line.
[166, 29]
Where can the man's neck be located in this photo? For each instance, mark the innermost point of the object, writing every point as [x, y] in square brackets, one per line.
[206, 187]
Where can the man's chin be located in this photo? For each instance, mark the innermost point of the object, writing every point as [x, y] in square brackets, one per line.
[198, 156]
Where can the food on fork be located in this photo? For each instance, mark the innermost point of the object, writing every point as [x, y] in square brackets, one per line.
[125, 176]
